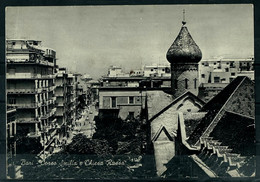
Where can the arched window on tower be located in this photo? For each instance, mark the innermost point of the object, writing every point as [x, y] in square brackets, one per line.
[186, 83]
[195, 83]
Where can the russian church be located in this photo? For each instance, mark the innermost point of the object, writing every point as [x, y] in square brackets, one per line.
[191, 138]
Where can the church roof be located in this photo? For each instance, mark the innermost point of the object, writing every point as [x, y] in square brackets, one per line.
[184, 49]
[237, 97]
[170, 104]
[156, 101]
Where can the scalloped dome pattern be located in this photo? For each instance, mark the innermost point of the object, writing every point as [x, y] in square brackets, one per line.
[184, 49]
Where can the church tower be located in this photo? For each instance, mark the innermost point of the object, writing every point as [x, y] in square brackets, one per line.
[184, 55]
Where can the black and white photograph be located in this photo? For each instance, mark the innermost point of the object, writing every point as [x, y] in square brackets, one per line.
[130, 92]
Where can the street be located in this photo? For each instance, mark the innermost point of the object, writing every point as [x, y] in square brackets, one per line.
[86, 124]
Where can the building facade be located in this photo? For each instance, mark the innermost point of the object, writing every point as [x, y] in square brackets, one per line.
[157, 70]
[125, 103]
[30, 88]
[224, 70]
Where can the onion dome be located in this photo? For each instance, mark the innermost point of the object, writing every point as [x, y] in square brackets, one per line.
[184, 49]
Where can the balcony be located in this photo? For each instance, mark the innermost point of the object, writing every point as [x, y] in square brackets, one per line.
[59, 114]
[28, 76]
[45, 88]
[45, 116]
[23, 76]
[34, 134]
[54, 99]
[54, 120]
[24, 106]
[53, 111]
[61, 104]
[17, 60]
[28, 120]
[51, 88]
[22, 91]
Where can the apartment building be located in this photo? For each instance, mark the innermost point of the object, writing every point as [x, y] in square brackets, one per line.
[216, 74]
[71, 98]
[30, 88]
[224, 70]
[124, 102]
[157, 70]
[61, 101]
[115, 71]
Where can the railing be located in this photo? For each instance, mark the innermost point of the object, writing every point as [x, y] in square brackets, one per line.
[27, 120]
[22, 76]
[59, 114]
[34, 134]
[54, 98]
[29, 90]
[37, 61]
[28, 76]
[51, 88]
[45, 116]
[28, 105]
[60, 104]
[53, 111]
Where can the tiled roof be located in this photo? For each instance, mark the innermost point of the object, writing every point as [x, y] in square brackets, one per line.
[226, 99]
[162, 102]
[191, 121]
[156, 101]
[184, 49]
[216, 103]
[237, 132]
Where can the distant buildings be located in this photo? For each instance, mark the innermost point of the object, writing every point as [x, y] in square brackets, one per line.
[157, 71]
[224, 70]
[216, 74]
[124, 102]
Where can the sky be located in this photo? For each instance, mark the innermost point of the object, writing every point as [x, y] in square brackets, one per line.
[89, 39]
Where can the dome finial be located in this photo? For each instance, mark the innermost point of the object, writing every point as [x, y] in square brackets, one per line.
[183, 22]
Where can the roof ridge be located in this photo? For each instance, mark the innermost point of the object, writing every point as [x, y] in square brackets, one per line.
[173, 102]
[226, 88]
[221, 109]
[245, 116]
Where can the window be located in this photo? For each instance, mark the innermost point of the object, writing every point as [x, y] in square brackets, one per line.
[151, 69]
[162, 69]
[202, 75]
[215, 63]
[186, 83]
[12, 101]
[232, 64]
[202, 63]
[233, 74]
[138, 99]
[195, 83]
[113, 102]
[13, 43]
[216, 79]
[131, 100]
[227, 69]
[223, 80]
